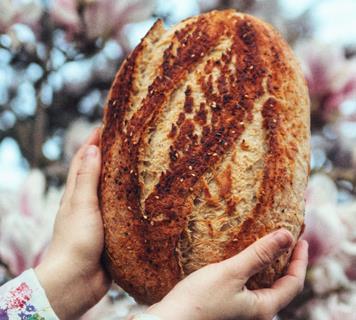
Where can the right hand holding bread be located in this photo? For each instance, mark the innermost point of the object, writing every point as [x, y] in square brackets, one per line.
[218, 291]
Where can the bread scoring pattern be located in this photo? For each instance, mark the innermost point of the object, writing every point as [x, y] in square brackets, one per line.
[205, 134]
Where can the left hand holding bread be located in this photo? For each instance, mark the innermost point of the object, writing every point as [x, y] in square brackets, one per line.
[71, 272]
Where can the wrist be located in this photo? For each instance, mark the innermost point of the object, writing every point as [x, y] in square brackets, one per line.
[69, 293]
[176, 310]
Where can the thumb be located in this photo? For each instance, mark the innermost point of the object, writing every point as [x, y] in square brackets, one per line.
[86, 184]
[260, 254]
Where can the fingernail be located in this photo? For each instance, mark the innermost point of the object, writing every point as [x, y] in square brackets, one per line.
[90, 152]
[283, 238]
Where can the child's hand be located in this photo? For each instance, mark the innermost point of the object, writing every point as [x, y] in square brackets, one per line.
[70, 272]
[218, 292]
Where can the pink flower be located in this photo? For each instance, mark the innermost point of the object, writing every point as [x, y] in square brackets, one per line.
[331, 233]
[19, 11]
[26, 222]
[328, 276]
[65, 14]
[324, 229]
[335, 307]
[105, 18]
[330, 76]
[347, 214]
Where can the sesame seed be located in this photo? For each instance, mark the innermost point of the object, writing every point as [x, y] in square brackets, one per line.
[152, 223]
[181, 179]
[274, 120]
[241, 122]
[129, 208]
[191, 189]
[131, 171]
[145, 217]
[250, 67]
[193, 55]
[246, 95]
[157, 197]
[215, 154]
[193, 174]
[233, 131]
[190, 168]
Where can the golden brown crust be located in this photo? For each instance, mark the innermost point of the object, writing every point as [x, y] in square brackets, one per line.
[220, 86]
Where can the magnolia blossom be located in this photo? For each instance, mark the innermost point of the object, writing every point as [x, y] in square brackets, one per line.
[65, 14]
[330, 76]
[335, 307]
[105, 18]
[328, 276]
[324, 229]
[19, 11]
[27, 220]
[331, 233]
[347, 213]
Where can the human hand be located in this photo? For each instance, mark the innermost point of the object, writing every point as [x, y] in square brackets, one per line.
[218, 291]
[71, 272]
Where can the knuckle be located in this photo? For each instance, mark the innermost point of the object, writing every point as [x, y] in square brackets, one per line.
[263, 255]
[88, 201]
[83, 172]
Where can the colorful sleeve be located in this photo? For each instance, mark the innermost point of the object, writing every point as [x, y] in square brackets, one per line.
[24, 298]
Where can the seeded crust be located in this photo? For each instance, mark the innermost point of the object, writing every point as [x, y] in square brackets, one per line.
[205, 149]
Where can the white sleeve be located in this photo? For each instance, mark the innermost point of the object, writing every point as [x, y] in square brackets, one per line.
[24, 298]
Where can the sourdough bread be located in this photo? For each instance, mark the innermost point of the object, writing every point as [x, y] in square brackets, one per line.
[205, 149]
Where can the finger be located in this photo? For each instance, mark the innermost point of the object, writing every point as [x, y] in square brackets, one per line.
[75, 164]
[86, 184]
[286, 288]
[260, 254]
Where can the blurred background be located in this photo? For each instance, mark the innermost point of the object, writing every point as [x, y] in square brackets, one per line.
[57, 61]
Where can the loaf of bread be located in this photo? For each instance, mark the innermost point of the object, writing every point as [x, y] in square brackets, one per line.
[205, 149]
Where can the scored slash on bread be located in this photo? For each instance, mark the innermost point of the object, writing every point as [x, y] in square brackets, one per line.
[205, 148]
